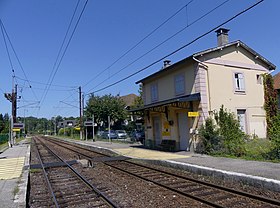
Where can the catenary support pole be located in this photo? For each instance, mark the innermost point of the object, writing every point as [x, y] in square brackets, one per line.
[93, 127]
[109, 129]
[81, 113]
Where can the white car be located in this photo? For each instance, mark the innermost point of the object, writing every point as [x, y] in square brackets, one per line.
[121, 134]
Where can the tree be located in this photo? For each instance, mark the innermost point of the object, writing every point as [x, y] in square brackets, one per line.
[103, 106]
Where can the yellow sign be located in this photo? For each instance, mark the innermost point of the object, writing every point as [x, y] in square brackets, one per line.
[166, 125]
[77, 128]
[165, 133]
[193, 114]
[16, 129]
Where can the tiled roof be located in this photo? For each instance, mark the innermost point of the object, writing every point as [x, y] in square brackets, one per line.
[129, 99]
[277, 81]
[210, 50]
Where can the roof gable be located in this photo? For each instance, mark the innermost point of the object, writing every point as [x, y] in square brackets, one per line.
[237, 43]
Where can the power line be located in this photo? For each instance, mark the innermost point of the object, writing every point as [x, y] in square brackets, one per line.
[60, 49]
[179, 49]
[133, 47]
[41, 83]
[8, 53]
[65, 49]
[138, 43]
[56, 90]
[69, 104]
[166, 40]
[6, 46]
[19, 62]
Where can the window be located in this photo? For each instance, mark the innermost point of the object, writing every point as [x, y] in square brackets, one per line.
[239, 82]
[259, 79]
[179, 84]
[154, 92]
[241, 115]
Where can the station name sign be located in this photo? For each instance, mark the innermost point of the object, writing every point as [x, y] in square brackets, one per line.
[193, 114]
[18, 126]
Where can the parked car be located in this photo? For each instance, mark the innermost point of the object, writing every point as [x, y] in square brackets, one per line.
[113, 135]
[121, 134]
[138, 136]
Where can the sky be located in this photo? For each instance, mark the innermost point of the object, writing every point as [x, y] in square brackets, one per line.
[110, 40]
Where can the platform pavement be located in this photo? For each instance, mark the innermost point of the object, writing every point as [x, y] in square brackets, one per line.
[13, 176]
[264, 174]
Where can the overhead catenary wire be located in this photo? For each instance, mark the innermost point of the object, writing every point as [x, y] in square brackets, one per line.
[179, 49]
[18, 60]
[139, 42]
[64, 51]
[134, 46]
[166, 40]
[60, 49]
[56, 90]
[6, 46]
[41, 83]
[8, 53]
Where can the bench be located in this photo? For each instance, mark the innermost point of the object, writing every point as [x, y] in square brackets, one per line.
[167, 145]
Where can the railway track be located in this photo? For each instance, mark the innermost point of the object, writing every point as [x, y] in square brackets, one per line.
[66, 187]
[206, 193]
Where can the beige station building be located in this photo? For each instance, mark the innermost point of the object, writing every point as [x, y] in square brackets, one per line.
[180, 96]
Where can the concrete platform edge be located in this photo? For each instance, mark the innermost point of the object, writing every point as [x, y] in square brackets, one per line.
[270, 184]
[21, 196]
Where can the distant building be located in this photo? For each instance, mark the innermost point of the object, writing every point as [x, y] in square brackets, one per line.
[277, 87]
[128, 99]
[180, 96]
[67, 123]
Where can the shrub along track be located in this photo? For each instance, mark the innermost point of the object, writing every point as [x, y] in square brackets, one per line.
[163, 188]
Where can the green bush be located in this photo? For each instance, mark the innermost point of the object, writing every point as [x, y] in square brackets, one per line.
[211, 142]
[4, 138]
[224, 138]
[64, 131]
[274, 136]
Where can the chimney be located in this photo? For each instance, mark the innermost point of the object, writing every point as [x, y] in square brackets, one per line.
[166, 63]
[222, 36]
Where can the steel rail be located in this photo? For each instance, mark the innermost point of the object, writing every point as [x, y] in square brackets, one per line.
[170, 188]
[54, 140]
[230, 190]
[46, 177]
[99, 193]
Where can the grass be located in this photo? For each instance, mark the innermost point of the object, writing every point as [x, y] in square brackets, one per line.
[35, 170]
[16, 190]
[255, 149]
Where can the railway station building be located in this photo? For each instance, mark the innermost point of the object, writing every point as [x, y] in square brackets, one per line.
[180, 96]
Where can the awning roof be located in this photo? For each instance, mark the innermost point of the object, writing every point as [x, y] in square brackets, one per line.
[185, 98]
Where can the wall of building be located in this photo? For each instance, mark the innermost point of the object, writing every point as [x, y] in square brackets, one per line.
[166, 84]
[221, 87]
[169, 130]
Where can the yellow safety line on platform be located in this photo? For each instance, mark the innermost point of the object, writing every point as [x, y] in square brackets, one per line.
[11, 168]
[149, 154]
